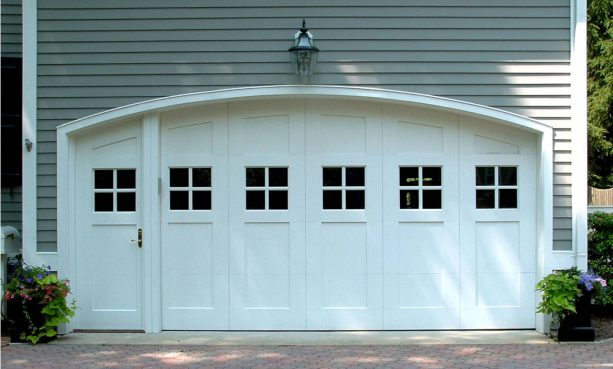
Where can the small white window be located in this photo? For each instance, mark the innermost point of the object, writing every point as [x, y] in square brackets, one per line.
[114, 190]
[496, 187]
[421, 187]
[344, 188]
[190, 188]
[266, 188]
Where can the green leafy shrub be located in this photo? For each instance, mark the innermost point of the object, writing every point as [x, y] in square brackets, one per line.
[560, 289]
[600, 252]
[39, 300]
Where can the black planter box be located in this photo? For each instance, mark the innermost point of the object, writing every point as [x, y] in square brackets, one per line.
[18, 323]
[578, 327]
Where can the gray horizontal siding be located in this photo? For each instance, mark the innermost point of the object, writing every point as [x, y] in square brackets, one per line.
[98, 55]
[10, 34]
[11, 207]
[10, 31]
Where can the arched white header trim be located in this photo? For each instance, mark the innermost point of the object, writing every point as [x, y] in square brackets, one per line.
[315, 91]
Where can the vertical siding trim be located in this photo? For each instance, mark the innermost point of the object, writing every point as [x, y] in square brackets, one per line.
[29, 70]
[579, 128]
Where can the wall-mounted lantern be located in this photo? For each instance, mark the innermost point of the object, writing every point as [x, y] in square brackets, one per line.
[303, 54]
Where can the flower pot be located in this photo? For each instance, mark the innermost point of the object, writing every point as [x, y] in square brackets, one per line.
[22, 315]
[578, 326]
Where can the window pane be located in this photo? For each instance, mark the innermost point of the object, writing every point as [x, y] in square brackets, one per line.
[507, 199]
[179, 177]
[126, 178]
[432, 199]
[409, 199]
[277, 200]
[179, 200]
[201, 177]
[507, 176]
[333, 199]
[103, 201]
[255, 177]
[201, 200]
[485, 199]
[333, 177]
[485, 176]
[409, 176]
[103, 179]
[126, 201]
[277, 177]
[354, 176]
[431, 176]
[354, 199]
[255, 200]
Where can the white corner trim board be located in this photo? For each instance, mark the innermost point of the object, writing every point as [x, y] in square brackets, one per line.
[579, 127]
[29, 183]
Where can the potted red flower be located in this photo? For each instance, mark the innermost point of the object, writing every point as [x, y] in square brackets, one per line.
[37, 303]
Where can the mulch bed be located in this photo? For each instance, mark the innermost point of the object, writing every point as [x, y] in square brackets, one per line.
[603, 326]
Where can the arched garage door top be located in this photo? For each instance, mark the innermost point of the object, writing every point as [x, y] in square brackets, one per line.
[401, 97]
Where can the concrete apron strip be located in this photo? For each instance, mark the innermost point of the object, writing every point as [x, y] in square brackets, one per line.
[307, 338]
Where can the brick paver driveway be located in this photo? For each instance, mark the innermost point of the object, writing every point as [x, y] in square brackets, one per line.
[598, 355]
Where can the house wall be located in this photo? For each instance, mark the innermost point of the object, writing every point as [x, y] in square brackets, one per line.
[11, 47]
[95, 56]
[11, 28]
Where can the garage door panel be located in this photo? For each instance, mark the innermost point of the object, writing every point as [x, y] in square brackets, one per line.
[484, 308]
[344, 301]
[421, 239]
[267, 302]
[108, 274]
[423, 247]
[342, 127]
[266, 237]
[267, 128]
[498, 238]
[415, 253]
[415, 131]
[195, 131]
[344, 248]
[194, 238]
[497, 247]
[421, 301]
[109, 266]
[342, 134]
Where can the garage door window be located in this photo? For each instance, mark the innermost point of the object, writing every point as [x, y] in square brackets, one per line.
[344, 188]
[496, 187]
[266, 188]
[190, 188]
[114, 190]
[420, 187]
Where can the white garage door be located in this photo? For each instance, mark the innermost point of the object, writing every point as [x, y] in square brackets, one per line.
[311, 214]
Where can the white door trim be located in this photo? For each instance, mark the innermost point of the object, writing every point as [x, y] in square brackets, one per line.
[152, 283]
[66, 141]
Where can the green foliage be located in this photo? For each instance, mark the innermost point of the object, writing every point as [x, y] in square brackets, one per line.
[40, 287]
[560, 289]
[600, 92]
[600, 251]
